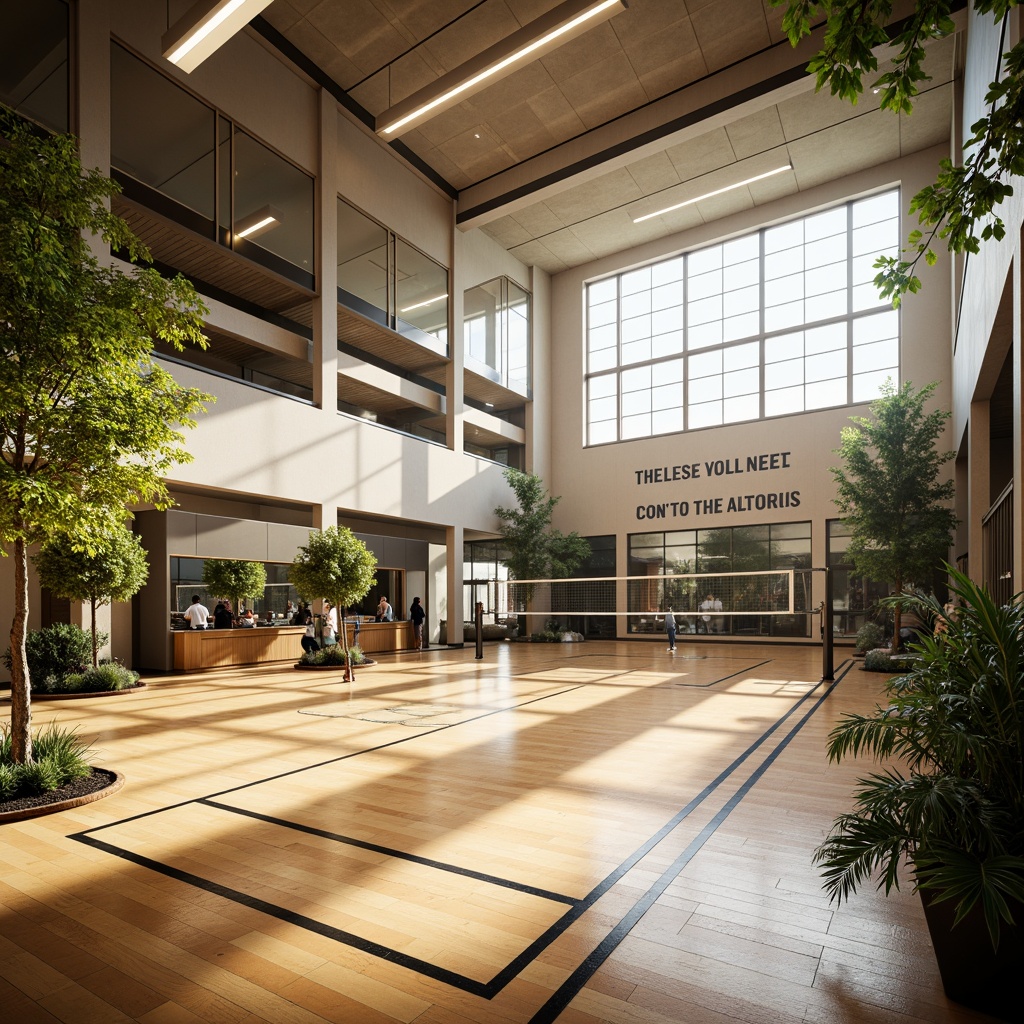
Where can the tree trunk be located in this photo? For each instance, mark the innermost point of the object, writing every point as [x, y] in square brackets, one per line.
[897, 642]
[349, 670]
[95, 648]
[21, 695]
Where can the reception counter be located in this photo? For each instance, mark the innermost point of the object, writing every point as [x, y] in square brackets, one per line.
[198, 649]
[381, 637]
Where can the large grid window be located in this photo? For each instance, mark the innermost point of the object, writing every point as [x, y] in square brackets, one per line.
[781, 321]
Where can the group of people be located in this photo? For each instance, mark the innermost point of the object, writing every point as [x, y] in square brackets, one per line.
[384, 613]
[197, 615]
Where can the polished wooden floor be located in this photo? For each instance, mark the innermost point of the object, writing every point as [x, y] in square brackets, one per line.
[575, 832]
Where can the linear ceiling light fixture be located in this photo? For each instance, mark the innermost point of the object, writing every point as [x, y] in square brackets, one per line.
[256, 223]
[425, 302]
[558, 26]
[717, 192]
[205, 27]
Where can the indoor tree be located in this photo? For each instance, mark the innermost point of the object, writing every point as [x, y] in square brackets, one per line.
[891, 492]
[88, 422]
[114, 570]
[334, 564]
[533, 550]
[236, 579]
[959, 207]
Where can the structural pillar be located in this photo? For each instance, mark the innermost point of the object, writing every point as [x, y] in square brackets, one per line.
[454, 539]
[325, 305]
[979, 490]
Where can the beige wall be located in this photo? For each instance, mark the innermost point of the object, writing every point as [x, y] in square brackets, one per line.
[599, 486]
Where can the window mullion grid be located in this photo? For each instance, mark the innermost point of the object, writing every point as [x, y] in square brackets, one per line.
[685, 354]
[760, 321]
[618, 357]
[849, 303]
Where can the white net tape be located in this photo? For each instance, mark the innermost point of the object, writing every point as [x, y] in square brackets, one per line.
[687, 594]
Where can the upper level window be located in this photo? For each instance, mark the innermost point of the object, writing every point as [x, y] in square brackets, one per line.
[496, 328]
[388, 280]
[780, 321]
[34, 61]
[171, 150]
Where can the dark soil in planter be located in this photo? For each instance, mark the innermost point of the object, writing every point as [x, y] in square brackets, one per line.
[972, 973]
[73, 793]
[88, 693]
[337, 668]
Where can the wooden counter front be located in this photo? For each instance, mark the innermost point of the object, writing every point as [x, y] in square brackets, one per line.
[197, 649]
[382, 637]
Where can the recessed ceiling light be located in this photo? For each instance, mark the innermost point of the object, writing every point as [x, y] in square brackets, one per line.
[425, 302]
[256, 223]
[716, 192]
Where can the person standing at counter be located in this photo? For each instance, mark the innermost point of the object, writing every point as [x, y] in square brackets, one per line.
[309, 644]
[330, 635]
[417, 616]
[385, 613]
[197, 614]
[246, 621]
[221, 616]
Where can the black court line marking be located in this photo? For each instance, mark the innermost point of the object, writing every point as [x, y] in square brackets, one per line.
[394, 956]
[572, 986]
[486, 990]
[454, 869]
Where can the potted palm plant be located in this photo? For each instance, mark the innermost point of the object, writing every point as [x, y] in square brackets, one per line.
[949, 803]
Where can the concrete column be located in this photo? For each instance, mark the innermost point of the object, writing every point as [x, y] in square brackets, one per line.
[453, 382]
[454, 539]
[325, 305]
[90, 86]
[979, 493]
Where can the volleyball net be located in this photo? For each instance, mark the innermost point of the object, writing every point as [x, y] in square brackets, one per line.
[696, 595]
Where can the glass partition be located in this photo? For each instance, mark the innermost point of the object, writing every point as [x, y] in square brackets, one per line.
[362, 260]
[273, 204]
[162, 136]
[34, 61]
[173, 152]
[496, 331]
[421, 291]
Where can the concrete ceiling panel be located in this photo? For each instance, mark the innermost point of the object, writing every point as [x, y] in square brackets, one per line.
[567, 247]
[557, 113]
[537, 254]
[522, 131]
[701, 155]
[538, 220]
[666, 78]
[507, 232]
[604, 91]
[528, 81]
[929, 123]
[462, 40]
[756, 133]
[583, 52]
[654, 173]
[845, 148]
[815, 111]
[728, 32]
[372, 45]
[604, 193]
[282, 15]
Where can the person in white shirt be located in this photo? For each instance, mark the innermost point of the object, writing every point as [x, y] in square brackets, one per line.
[330, 624]
[197, 614]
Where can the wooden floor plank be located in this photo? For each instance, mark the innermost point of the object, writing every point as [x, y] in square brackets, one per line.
[563, 768]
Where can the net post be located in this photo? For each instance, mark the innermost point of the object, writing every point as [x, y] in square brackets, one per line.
[479, 630]
[827, 660]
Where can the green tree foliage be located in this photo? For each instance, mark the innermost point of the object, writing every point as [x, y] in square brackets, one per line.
[959, 207]
[891, 493]
[115, 570]
[226, 577]
[534, 551]
[334, 564]
[950, 797]
[88, 422]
